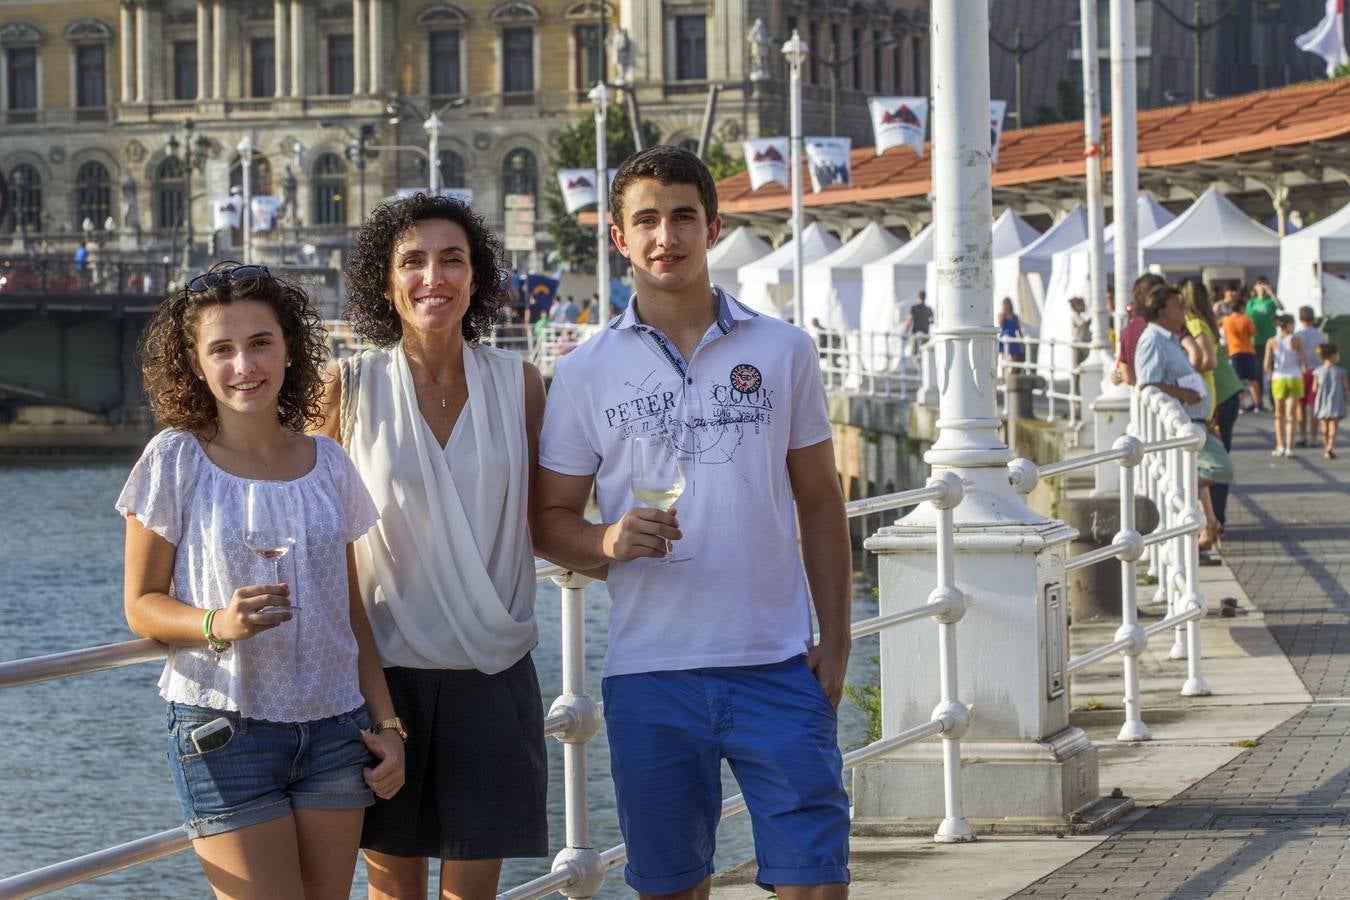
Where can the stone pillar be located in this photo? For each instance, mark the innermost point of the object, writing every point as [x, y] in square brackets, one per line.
[203, 45]
[142, 53]
[360, 52]
[218, 12]
[128, 49]
[1023, 759]
[281, 53]
[297, 48]
[376, 46]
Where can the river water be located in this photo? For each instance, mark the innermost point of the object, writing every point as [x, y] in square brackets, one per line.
[82, 765]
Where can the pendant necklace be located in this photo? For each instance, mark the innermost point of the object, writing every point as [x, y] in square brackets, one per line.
[442, 403]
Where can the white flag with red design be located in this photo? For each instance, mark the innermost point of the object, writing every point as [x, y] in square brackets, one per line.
[766, 160]
[1327, 38]
[898, 122]
[578, 188]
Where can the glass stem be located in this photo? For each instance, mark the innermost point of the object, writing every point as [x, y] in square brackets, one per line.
[276, 570]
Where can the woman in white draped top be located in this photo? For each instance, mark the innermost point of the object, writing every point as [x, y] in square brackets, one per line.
[444, 433]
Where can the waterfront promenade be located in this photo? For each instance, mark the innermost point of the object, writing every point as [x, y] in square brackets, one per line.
[1245, 793]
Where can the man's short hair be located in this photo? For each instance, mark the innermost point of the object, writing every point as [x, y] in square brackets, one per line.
[1141, 288]
[1155, 301]
[1306, 314]
[668, 165]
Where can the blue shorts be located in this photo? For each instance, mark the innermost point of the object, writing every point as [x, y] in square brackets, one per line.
[669, 731]
[266, 769]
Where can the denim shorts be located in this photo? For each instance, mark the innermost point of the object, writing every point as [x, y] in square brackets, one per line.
[266, 769]
[669, 731]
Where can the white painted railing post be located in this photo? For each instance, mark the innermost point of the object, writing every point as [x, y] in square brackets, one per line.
[928, 382]
[1050, 379]
[1195, 685]
[1132, 543]
[953, 713]
[1174, 554]
[579, 857]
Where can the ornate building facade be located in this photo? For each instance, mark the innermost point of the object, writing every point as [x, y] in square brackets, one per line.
[118, 119]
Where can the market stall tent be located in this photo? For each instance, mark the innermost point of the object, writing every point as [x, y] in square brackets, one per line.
[1024, 274]
[1212, 232]
[766, 283]
[735, 249]
[833, 283]
[1304, 258]
[891, 283]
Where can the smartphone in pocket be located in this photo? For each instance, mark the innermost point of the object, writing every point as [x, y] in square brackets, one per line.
[213, 734]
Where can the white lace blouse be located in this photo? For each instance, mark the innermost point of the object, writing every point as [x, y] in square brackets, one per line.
[302, 670]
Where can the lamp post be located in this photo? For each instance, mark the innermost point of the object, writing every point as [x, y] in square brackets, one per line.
[795, 51]
[1018, 50]
[245, 148]
[193, 158]
[1092, 154]
[1197, 27]
[834, 65]
[432, 123]
[1124, 153]
[599, 96]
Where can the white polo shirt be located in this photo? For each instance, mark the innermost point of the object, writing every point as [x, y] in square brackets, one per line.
[751, 392]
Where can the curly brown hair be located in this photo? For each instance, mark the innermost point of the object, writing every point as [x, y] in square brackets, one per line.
[180, 400]
[369, 310]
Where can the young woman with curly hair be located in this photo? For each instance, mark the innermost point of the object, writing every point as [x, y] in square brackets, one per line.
[270, 702]
[444, 431]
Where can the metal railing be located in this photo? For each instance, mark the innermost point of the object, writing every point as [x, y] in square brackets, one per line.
[1059, 385]
[1165, 442]
[575, 718]
[883, 364]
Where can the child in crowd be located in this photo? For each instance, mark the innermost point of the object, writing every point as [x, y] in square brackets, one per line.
[1332, 386]
[270, 707]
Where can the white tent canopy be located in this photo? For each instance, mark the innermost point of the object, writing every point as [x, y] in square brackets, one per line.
[1024, 274]
[735, 249]
[833, 284]
[1069, 277]
[891, 283]
[1011, 233]
[1304, 256]
[766, 283]
[1212, 232]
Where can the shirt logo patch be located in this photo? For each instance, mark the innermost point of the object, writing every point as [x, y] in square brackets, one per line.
[746, 378]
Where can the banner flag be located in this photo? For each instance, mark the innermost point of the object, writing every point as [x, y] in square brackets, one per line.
[828, 160]
[997, 109]
[578, 188]
[541, 289]
[1327, 38]
[766, 160]
[226, 213]
[899, 122]
[264, 211]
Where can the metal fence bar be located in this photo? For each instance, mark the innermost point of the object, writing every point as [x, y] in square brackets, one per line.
[92, 865]
[79, 662]
[1133, 728]
[1097, 655]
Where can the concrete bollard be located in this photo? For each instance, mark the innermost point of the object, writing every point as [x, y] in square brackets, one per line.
[1094, 591]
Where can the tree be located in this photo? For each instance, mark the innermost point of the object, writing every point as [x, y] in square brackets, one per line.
[722, 163]
[574, 148]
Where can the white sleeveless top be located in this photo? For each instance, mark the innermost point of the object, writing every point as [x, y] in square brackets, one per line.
[447, 576]
[1286, 363]
[302, 670]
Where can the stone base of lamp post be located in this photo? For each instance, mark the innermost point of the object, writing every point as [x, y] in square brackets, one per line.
[1024, 760]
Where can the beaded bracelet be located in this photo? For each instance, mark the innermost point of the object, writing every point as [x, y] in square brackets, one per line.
[218, 646]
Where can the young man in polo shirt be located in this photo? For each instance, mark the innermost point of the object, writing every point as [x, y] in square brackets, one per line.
[710, 658]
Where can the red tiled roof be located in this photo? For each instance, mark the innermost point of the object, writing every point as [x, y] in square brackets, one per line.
[1168, 136]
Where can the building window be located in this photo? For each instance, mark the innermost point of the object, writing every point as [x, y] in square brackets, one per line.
[855, 49]
[875, 83]
[185, 70]
[518, 59]
[590, 55]
[691, 48]
[916, 57]
[813, 45]
[263, 67]
[330, 190]
[21, 72]
[452, 169]
[25, 194]
[93, 194]
[91, 83]
[170, 193]
[341, 64]
[443, 53]
[520, 173]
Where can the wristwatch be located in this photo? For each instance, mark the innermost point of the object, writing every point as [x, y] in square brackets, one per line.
[393, 722]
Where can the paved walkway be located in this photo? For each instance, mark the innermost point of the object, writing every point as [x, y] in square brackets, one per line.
[1275, 821]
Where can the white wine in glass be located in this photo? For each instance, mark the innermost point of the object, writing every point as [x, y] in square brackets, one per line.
[269, 522]
[658, 478]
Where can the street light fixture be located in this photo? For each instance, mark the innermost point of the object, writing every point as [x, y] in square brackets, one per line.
[1018, 50]
[834, 65]
[193, 158]
[395, 107]
[245, 148]
[358, 151]
[599, 96]
[1198, 27]
[795, 52]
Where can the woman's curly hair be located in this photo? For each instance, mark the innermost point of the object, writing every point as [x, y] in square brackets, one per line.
[369, 309]
[179, 399]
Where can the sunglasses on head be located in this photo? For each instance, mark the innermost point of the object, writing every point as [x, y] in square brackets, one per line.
[208, 280]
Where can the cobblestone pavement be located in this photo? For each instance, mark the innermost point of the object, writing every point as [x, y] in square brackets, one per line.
[1275, 822]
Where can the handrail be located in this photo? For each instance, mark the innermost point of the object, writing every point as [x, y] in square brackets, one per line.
[93, 865]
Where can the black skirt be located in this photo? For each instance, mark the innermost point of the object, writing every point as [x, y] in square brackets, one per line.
[477, 771]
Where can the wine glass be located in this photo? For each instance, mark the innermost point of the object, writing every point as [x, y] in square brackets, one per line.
[658, 478]
[269, 523]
